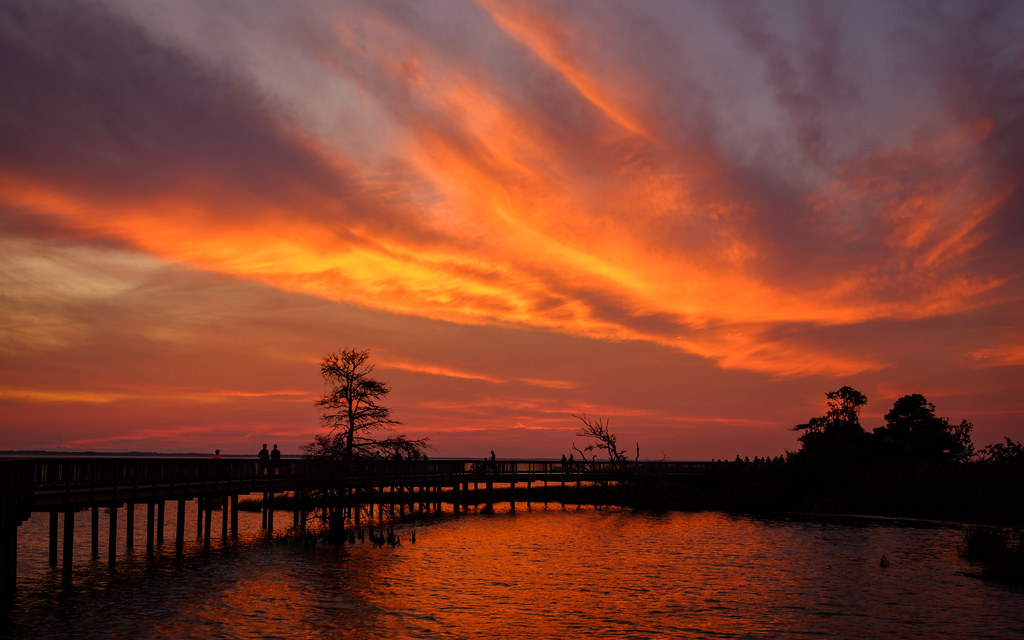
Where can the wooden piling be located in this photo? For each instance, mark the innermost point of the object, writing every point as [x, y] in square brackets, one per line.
[8, 558]
[200, 505]
[150, 517]
[160, 522]
[95, 532]
[69, 543]
[270, 513]
[234, 515]
[179, 526]
[112, 537]
[129, 526]
[54, 516]
[207, 517]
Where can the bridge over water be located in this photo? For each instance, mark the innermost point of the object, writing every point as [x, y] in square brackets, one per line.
[62, 486]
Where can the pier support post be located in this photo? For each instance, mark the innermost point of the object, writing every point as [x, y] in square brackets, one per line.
[150, 517]
[112, 537]
[53, 538]
[69, 543]
[234, 515]
[8, 559]
[179, 526]
[270, 513]
[95, 532]
[200, 505]
[225, 514]
[160, 522]
[129, 526]
[208, 517]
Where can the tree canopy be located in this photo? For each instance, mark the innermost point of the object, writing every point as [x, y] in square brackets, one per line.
[911, 430]
[838, 433]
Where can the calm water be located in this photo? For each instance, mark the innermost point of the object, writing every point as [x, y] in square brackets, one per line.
[538, 573]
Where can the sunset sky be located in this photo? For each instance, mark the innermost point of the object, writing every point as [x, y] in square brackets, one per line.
[691, 218]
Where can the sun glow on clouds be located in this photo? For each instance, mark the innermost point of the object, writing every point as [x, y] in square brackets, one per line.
[748, 185]
[512, 218]
[436, 370]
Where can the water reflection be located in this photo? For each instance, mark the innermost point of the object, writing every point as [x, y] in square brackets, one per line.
[548, 573]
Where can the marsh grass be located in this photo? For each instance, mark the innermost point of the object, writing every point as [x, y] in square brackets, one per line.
[999, 551]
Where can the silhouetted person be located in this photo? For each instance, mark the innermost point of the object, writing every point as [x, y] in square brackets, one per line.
[275, 458]
[564, 461]
[216, 454]
[264, 457]
[494, 465]
[570, 463]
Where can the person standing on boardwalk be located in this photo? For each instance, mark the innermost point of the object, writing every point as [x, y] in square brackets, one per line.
[216, 454]
[264, 457]
[275, 458]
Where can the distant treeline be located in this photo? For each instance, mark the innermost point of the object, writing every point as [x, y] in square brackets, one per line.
[915, 465]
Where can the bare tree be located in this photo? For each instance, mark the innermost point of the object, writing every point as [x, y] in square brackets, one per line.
[358, 424]
[359, 427]
[602, 440]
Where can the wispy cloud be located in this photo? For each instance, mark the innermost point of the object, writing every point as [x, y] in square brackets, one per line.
[781, 191]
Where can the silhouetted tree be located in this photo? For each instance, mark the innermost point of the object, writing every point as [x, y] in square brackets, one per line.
[912, 430]
[838, 432]
[358, 425]
[1009, 451]
[602, 440]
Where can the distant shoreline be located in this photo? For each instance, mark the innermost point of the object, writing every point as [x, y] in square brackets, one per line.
[124, 454]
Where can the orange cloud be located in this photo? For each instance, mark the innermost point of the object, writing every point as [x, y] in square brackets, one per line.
[560, 203]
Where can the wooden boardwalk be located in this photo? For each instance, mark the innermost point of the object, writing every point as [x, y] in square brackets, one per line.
[65, 485]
